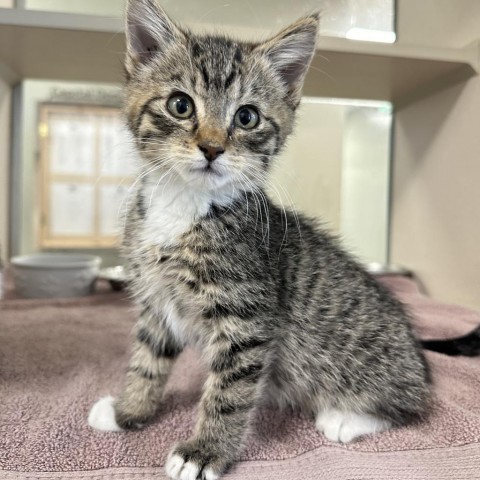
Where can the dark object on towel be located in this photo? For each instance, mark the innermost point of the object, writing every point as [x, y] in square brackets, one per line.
[468, 345]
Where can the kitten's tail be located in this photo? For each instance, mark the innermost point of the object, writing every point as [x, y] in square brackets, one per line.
[468, 345]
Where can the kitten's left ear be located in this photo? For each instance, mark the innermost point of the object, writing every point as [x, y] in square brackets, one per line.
[149, 31]
[291, 51]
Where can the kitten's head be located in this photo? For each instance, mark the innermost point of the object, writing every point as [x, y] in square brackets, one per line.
[212, 111]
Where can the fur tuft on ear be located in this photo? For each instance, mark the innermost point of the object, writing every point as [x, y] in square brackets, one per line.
[291, 51]
[148, 30]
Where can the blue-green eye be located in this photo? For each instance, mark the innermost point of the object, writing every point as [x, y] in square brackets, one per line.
[180, 105]
[247, 118]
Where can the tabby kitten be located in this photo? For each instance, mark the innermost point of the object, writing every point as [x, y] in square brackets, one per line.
[280, 314]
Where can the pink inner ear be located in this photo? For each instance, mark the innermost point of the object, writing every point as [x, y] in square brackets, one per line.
[293, 55]
[149, 29]
[292, 72]
[142, 44]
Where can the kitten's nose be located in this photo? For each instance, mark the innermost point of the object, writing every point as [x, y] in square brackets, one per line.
[211, 152]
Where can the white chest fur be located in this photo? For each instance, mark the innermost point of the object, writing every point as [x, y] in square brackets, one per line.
[173, 204]
[171, 209]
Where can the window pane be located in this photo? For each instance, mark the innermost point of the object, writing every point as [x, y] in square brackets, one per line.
[72, 145]
[71, 209]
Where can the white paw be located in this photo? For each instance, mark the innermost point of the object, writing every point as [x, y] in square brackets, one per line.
[102, 415]
[329, 423]
[211, 475]
[178, 469]
[174, 466]
[344, 427]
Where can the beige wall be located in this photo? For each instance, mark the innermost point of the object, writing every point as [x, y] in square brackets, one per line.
[440, 23]
[436, 188]
[5, 106]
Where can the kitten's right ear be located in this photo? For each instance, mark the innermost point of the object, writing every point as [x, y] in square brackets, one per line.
[291, 51]
[148, 30]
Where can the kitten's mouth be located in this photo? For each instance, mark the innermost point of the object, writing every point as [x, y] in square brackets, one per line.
[207, 170]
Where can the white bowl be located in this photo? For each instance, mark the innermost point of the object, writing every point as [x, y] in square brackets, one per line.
[43, 275]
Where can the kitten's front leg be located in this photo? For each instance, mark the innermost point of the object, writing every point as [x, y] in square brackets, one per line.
[154, 352]
[232, 392]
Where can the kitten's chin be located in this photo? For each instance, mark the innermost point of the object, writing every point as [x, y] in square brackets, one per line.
[208, 179]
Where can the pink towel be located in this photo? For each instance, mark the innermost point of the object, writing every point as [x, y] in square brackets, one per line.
[58, 357]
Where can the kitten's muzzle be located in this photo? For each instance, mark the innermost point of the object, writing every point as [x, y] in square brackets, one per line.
[211, 152]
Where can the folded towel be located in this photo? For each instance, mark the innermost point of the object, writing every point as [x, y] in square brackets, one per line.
[57, 357]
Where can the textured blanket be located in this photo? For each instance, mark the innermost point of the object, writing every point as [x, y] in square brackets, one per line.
[58, 357]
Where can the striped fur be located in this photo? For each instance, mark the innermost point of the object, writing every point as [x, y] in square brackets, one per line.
[278, 310]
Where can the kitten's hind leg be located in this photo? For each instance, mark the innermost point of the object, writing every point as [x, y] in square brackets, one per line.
[344, 427]
[148, 371]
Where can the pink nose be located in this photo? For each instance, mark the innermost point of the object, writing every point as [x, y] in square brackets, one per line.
[211, 152]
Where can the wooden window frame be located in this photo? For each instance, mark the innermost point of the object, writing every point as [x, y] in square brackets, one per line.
[46, 177]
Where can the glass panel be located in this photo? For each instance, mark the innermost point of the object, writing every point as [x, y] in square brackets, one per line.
[356, 19]
[365, 187]
[72, 144]
[336, 167]
[71, 209]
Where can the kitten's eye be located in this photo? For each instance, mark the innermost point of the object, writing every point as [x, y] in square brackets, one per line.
[247, 118]
[180, 106]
